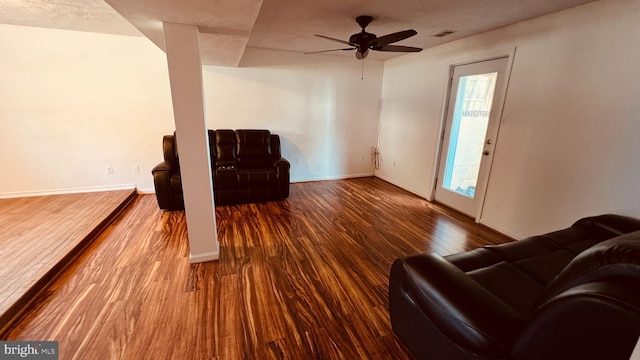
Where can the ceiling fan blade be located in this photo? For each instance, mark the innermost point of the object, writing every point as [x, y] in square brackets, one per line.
[324, 51]
[334, 39]
[397, 48]
[391, 38]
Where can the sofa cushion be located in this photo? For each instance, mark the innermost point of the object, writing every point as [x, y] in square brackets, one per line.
[225, 178]
[510, 284]
[254, 148]
[474, 259]
[257, 178]
[582, 235]
[225, 148]
[542, 257]
[537, 257]
[544, 267]
[518, 272]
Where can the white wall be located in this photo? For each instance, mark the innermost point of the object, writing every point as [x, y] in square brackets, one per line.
[325, 114]
[570, 145]
[72, 102]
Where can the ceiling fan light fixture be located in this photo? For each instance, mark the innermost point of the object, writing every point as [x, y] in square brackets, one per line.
[361, 55]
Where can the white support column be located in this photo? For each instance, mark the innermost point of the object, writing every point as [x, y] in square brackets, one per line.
[185, 75]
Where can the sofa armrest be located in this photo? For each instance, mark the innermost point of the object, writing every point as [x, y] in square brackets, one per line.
[282, 162]
[595, 320]
[464, 311]
[163, 166]
[282, 168]
[162, 183]
[283, 172]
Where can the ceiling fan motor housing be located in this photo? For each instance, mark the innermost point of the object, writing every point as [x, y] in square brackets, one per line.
[362, 39]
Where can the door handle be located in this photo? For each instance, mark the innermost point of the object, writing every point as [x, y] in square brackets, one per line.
[485, 153]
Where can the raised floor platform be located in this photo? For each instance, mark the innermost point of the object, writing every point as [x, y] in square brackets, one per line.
[40, 235]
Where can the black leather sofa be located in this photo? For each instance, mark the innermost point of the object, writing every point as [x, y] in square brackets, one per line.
[569, 294]
[246, 167]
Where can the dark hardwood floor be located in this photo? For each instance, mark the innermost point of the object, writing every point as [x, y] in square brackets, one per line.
[305, 278]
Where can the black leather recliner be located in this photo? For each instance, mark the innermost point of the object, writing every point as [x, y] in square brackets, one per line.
[569, 294]
[246, 166]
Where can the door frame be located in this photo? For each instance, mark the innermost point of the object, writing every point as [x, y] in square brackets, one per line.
[509, 53]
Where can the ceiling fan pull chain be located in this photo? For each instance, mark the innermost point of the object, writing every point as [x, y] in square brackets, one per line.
[362, 72]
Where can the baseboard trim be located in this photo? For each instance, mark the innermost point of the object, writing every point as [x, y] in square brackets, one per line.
[338, 177]
[395, 183]
[199, 258]
[150, 191]
[19, 194]
[146, 191]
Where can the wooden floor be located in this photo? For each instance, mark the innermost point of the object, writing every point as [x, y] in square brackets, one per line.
[305, 278]
[38, 236]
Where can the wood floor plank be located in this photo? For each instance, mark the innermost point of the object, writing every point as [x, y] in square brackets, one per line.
[304, 278]
[39, 235]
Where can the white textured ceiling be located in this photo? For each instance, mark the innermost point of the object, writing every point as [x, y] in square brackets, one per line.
[80, 15]
[227, 27]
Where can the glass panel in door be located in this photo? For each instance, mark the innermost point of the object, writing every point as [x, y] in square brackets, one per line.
[468, 131]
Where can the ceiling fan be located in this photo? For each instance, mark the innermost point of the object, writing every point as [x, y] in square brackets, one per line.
[363, 41]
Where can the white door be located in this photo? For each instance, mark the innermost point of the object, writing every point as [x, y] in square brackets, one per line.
[471, 127]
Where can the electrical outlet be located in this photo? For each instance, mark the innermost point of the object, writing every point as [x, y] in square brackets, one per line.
[296, 160]
[135, 169]
[108, 169]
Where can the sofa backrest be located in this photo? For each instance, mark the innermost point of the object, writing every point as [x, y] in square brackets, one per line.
[170, 151]
[275, 147]
[231, 148]
[617, 257]
[612, 224]
[224, 147]
[253, 148]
